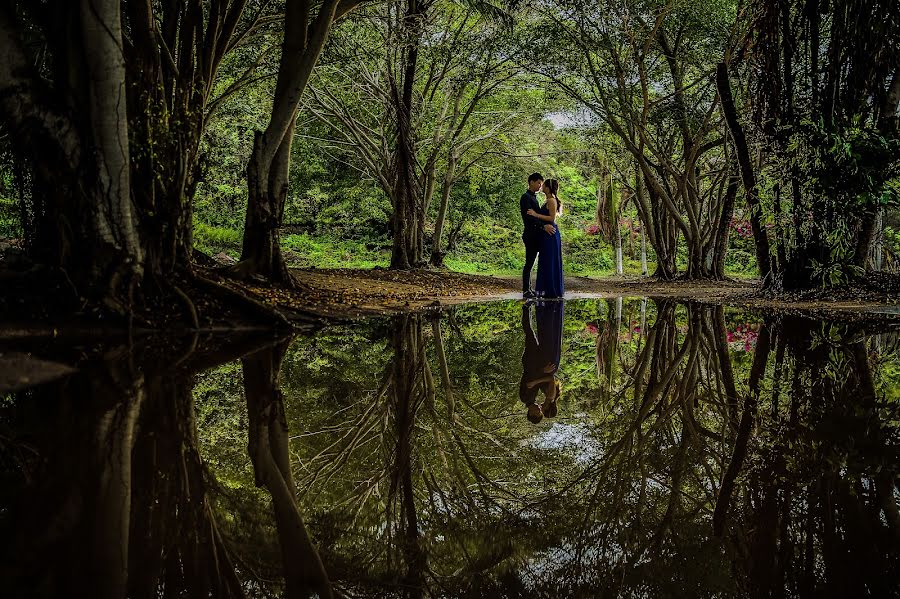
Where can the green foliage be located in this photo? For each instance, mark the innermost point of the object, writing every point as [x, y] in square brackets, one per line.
[10, 223]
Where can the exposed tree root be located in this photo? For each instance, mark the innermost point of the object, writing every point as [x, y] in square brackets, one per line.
[247, 270]
[258, 308]
[189, 304]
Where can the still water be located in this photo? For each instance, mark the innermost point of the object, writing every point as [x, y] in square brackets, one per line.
[597, 448]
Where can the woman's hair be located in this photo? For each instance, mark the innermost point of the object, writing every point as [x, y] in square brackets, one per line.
[553, 186]
[549, 406]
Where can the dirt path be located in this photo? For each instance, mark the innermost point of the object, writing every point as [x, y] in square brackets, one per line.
[351, 293]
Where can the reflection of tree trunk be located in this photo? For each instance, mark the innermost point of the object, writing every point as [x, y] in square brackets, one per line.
[409, 387]
[176, 537]
[114, 441]
[270, 454]
[71, 529]
[607, 345]
[438, 335]
[729, 479]
[720, 340]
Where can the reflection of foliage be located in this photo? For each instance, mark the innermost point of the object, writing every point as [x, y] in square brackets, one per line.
[501, 503]
[415, 466]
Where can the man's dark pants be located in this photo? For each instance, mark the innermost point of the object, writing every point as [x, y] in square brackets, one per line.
[531, 253]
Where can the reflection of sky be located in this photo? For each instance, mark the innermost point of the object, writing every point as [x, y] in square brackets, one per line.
[571, 438]
[578, 558]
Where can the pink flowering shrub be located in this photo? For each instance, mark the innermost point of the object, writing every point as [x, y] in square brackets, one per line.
[743, 337]
[741, 227]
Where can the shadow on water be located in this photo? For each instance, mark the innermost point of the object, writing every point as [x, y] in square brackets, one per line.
[625, 447]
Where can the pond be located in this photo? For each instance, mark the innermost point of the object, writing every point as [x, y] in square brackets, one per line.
[625, 447]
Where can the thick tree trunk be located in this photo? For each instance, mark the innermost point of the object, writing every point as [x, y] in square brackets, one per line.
[261, 252]
[113, 217]
[269, 165]
[78, 145]
[408, 218]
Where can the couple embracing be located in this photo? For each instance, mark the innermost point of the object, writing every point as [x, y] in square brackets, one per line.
[542, 239]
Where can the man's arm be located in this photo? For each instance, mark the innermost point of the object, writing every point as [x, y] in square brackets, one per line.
[529, 221]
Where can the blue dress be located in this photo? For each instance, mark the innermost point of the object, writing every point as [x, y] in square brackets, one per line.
[550, 269]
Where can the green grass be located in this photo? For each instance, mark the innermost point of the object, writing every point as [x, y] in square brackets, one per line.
[213, 240]
[305, 251]
[499, 254]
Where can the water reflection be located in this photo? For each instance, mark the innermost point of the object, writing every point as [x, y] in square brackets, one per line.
[541, 358]
[697, 451]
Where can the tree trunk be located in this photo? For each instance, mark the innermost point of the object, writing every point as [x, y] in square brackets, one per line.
[748, 175]
[269, 165]
[261, 252]
[720, 247]
[408, 218]
[878, 249]
[77, 142]
[437, 256]
[618, 235]
[643, 252]
[113, 219]
[865, 237]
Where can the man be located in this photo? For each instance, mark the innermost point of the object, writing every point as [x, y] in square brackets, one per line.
[533, 229]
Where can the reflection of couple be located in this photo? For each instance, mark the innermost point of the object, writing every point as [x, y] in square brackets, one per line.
[541, 239]
[540, 360]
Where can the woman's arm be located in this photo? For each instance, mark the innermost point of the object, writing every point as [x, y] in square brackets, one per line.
[551, 207]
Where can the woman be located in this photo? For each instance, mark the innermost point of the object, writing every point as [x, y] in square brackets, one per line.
[550, 272]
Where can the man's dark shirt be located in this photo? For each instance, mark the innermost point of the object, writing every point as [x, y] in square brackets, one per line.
[533, 225]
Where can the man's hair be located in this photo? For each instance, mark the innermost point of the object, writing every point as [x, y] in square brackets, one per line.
[535, 177]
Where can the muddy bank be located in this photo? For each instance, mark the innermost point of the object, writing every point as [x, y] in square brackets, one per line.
[351, 293]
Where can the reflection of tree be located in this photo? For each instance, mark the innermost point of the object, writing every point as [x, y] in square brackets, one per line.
[118, 501]
[816, 496]
[270, 454]
[71, 529]
[440, 487]
[177, 545]
[410, 385]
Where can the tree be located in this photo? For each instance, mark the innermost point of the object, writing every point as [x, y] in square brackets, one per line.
[417, 117]
[110, 100]
[306, 32]
[818, 152]
[645, 73]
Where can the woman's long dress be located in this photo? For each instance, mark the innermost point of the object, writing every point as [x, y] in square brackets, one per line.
[550, 269]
